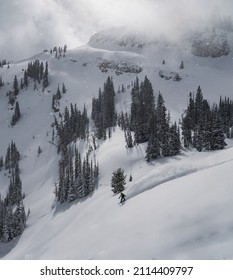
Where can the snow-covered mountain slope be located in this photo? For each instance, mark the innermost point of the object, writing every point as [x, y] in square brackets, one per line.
[177, 207]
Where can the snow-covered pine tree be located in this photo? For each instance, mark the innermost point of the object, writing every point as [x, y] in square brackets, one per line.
[182, 65]
[188, 122]
[15, 188]
[217, 135]
[12, 214]
[142, 106]
[25, 79]
[1, 162]
[6, 225]
[63, 88]
[41, 71]
[39, 151]
[16, 86]
[87, 177]
[128, 139]
[162, 119]
[103, 109]
[1, 81]
[16, 115]
[45, 76]
[18, 220]
[174, 142]
[12, 157]
[118, 181]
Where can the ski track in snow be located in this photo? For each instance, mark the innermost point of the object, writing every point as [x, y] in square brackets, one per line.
[148, 182]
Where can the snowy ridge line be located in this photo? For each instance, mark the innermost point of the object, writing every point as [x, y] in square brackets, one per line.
[137, 190]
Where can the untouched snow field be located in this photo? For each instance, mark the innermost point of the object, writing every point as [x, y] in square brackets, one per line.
[176, 208]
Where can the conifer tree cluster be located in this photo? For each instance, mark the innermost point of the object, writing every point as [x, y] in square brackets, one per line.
[12, 94]
[150, 122]
[59, 51]
[12, 157]
[57, 96]
[36, 71]
[121, 89]
[202, 126]
[3, 62]
[77, 178]
[103, 110]
[73, 126]
[164, 138]
[12, 212]
[142, 108]
[225, 112]
[124, 122]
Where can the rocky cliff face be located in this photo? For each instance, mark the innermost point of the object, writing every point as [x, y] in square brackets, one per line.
[118, 38]
[214, 45]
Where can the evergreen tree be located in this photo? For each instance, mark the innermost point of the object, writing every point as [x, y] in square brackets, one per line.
[12, 157]
[18, 220]
[142, 107]
[63, 88]
[188, 121]
[41, 71]
[65, 48]
[1, 163]
[128, 139]
[12, 213]
[1, 81]
[174, 141]
[103, 109]
[118, 181]
[45, 76]
[182, 65]
[16, 86]
[16, 115]
[77, 179]
[202, 127]
[39, 151]
[25, 79]
[162, 125]
[217, 137]
[6, 226]
[153, 145]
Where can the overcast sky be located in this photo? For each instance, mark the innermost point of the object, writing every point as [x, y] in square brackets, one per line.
[29, 26]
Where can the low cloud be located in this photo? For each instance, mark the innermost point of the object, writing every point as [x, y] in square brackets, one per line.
[29, 26]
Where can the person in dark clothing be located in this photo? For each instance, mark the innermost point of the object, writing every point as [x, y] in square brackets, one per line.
[122, 197]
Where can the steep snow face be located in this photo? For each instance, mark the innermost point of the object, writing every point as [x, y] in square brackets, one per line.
[176, 207]
[171, 212]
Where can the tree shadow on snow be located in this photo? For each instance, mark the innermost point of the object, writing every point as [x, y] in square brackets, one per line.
[5, 248]
[59, 208]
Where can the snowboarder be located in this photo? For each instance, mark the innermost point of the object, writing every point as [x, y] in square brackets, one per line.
[122, 197]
